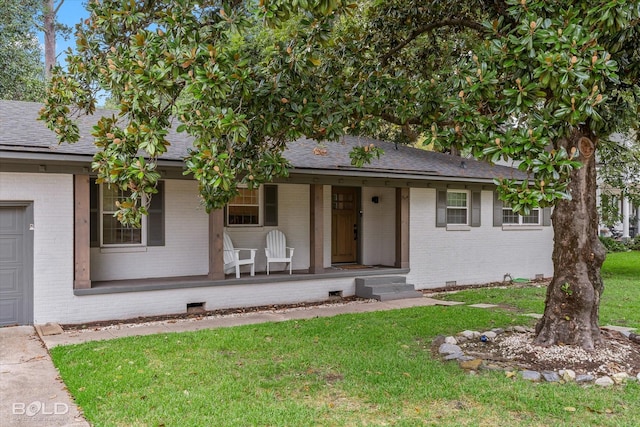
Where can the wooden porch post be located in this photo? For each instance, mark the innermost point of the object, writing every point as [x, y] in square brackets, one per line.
[316, 238]
[402, 228]
[216, 245]
[81, 233]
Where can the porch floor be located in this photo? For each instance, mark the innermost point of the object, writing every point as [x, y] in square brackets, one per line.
[164, 283]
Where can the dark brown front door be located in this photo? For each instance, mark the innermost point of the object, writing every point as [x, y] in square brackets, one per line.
[344, 225]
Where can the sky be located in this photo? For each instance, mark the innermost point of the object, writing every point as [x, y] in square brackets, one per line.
[71, 12]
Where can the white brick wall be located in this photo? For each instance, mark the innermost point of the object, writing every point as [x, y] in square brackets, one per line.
[293, 221]
[378, 226]
[52, 197]
[186, 250]
[479, 255]
[133, 304]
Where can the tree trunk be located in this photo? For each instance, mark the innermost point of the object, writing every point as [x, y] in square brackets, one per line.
[573, 297]
[49, 38]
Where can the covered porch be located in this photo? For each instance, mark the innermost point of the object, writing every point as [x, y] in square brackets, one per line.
[315, 260]
[165, 283]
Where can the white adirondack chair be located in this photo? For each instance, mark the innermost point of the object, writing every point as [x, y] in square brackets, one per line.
[232, 257]
[277, 249]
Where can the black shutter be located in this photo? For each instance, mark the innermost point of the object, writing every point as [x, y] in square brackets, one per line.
[94, 214]
[155, 219]
[271, 205]
[441, 208]
[476, 202]
[497, 210]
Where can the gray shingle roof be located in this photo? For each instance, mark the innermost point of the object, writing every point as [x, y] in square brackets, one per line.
[21, 132]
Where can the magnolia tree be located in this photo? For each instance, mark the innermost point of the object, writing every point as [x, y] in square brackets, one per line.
[542, 84]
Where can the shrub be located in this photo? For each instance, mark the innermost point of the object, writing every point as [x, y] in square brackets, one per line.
[613, 245]
[634, 244]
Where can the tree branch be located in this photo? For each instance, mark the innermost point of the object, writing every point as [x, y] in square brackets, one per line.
[55, 11]
[428, 28]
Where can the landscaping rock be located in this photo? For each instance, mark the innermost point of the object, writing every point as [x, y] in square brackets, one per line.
[446, 348]
[634, 337]
[531, 375]
[466, 358]
[520, 329]
[568, 375]
[454, 356]
[604, 382]
[490, 335]
[469, 334]
[620, 377]
[492, 367]
[498, 331]
[551, 377]
[584, 378]
[450, 340]
[438, 341]
[471, 365]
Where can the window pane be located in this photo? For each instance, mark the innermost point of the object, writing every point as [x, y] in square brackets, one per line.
[456, 216]
[532, 218]
[116, 233]
[244, 209]
[455, 199]
[243, 215]
[509, 217]
[245, 197]
[110, 195]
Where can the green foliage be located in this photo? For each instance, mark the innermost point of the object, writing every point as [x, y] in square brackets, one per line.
[513, 80]
[231, 83]
[634, 244]
[566, 288]
[614, 245]
[22, 70]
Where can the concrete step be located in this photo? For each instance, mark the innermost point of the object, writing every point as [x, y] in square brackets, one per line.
[377, 280]
[385, 288]
[398, 295]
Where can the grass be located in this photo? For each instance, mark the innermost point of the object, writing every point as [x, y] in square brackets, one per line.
[348, 370]
[619, 304]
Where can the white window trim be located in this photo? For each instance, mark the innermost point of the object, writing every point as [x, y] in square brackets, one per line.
[260, 210]
[101, 213]
[459, 226]
[520, 222]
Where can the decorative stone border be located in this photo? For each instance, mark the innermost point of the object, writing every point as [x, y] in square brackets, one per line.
[449, 350]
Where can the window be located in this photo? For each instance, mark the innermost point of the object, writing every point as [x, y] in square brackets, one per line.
[244, 209]
[113, 232]
[503, 215]
[106, 230]
[509, 217]
[457, 207]
[253, 207]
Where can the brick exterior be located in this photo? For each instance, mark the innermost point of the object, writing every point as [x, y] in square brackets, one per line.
[477, 255]
[52, 197]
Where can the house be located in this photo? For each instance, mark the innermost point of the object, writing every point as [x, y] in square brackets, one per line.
[429, 218]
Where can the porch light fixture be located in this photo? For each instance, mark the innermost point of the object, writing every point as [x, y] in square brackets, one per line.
[375, 199]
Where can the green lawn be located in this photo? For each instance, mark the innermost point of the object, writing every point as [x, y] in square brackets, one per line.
[619, 304]
[348, 370]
